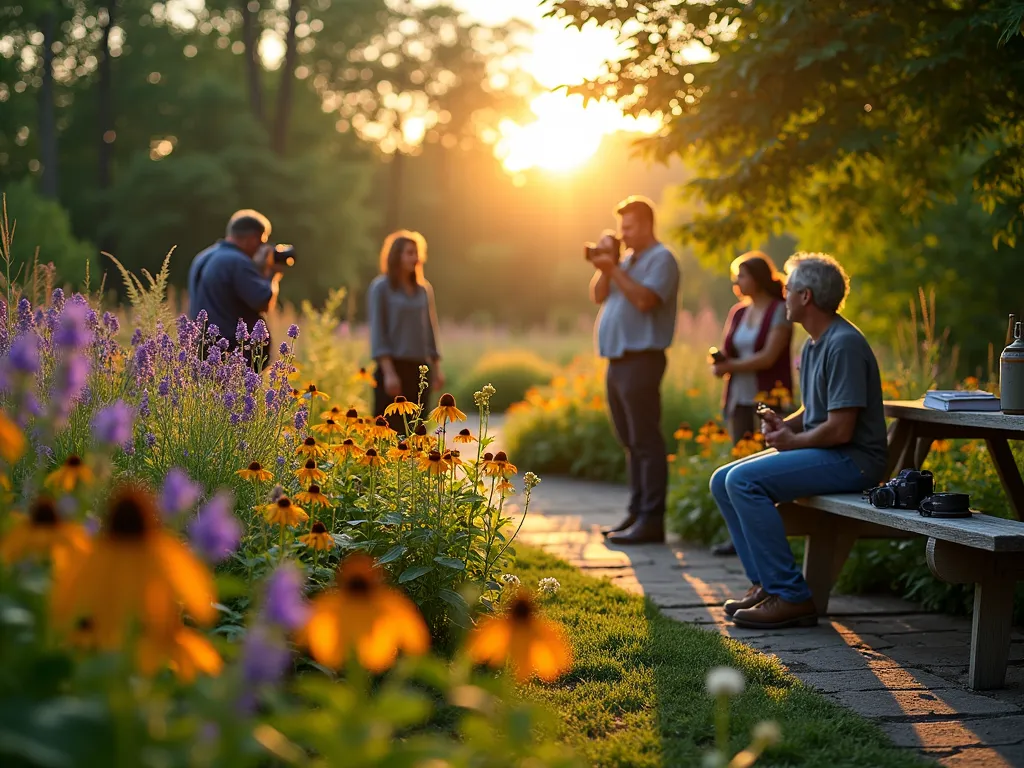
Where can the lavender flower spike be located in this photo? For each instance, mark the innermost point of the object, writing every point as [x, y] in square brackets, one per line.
[260, 334]
[293, 331]
[24, 354]
[285, 604]
[179, 493]
[113, 425]
[215, 531]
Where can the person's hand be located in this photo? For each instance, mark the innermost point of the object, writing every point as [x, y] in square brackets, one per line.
[772, 421]
[721, 368]
[392, 384]
[781, 439]
[437, 379]
[604, 262]
[264, 260]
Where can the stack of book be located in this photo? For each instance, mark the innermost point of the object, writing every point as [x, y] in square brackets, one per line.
[961, 400]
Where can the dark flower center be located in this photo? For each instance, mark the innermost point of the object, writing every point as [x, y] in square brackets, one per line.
[130, 515]
[455, 453]
[446, 401]
[371, 452]
[331, 422]
[380, 422]
[310, 464]
[295, 392]
[84, 624]
[433, 456]
[352, 413]
[312, 388]
[309, 441]
[348, 441]
[685, 425]
[400, 399]
[314, 488]
[73, 461]
[44, 513]
[255, 467]
[488, 457]
[358, 585]
[465, 433]
[319, 527]
[501, 457]
[421, 430]
[521, 611]
[403, 446]
[284, 502]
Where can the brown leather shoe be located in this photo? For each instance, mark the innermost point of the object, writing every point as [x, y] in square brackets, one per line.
[775, 613]
[627, 522]
[754, 596]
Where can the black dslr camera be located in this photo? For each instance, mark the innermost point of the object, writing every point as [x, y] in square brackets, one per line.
[283, 255]
[905, 491]
[590, 250]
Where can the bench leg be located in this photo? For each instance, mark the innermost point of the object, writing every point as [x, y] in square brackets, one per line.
[825, 553]
[990, 633]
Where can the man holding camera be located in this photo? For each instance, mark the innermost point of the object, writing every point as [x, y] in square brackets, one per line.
[236, 278]
[634, 328]
[835, 443]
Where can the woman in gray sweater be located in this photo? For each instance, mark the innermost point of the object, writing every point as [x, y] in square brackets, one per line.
[403, 324]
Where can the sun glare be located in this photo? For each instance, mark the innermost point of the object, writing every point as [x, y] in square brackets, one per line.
[565, 135]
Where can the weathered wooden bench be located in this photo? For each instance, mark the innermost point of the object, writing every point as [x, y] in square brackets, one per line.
[982, 550]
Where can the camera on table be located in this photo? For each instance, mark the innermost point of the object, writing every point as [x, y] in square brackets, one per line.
[905, 491]
[592, 250]
[283, 255]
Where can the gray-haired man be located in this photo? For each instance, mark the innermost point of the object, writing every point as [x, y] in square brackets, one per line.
[836, 443]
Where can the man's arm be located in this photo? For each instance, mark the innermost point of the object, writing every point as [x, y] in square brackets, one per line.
[837, 429]
[275, 289]
[639, 295]
[256, 290]
[600, 287]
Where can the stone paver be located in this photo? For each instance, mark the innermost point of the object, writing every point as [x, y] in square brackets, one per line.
[880, 656]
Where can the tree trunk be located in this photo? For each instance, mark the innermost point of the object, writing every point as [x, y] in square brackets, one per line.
[393, 218]
[251, 38]
[105, 112]
[47, 116]
[284, 93]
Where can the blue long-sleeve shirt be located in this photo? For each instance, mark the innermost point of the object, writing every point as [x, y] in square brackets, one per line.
[225, 282]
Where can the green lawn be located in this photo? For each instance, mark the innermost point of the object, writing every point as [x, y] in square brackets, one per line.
[636, 695]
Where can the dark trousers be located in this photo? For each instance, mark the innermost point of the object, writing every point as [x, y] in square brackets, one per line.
[409, 374]
[743, 419]
[634, 398]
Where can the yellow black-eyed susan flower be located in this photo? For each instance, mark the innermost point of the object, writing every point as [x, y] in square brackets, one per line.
[364, 616]
[284, 512]
[311, 449]
[309, 391]
[505, 488]
[780, 393]
[328, 427]
[351, 415]
[69, 475]
[432, 463]
[485, 462]
[708, 427]
[719, 436]
[318, 537]
[335, 413]
[451, 458]
[402, 407]
[465, 436]
[401, 451]
[295, 393]
[255, 472]
[420, 440]
[685, 432]
[371, 458]
[42, 533]
[12, 441]
[380, 430]
[347, 448]
[309, 473]
[184, 650]
[363, 376]
[134, 570]
[446, 410]
[500, 466]
[534, 645]
[313, 497]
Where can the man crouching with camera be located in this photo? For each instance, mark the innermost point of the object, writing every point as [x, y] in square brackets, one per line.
[634, 328]
[238, 278]
[835, 443]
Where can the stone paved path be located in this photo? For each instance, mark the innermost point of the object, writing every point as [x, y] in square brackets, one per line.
[882, 657]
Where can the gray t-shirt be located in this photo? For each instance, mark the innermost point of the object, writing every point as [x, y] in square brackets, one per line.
[403, 326]
[621, 327]
[839, 370]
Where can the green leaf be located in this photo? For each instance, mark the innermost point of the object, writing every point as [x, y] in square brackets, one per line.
[393, 554]
[414, 572]
[450, 562]
[453, 599]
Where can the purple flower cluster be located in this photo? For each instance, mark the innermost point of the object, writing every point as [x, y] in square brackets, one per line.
[113, 425]
[215, 531]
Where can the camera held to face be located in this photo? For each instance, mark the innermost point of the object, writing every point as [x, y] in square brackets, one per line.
[905, 491]
[283, 255]
[592, 250]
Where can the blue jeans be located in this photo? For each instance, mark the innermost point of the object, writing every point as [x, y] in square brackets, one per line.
[747, 491]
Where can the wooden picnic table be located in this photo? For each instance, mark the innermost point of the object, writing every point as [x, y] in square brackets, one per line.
[915, 427]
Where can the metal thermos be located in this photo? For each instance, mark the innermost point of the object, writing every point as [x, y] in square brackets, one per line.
[1011, 374]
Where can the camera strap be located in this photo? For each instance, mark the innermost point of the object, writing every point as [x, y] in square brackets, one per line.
[946, 505]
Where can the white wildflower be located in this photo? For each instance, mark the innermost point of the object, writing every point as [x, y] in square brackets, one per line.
[510, 579]
[530, 481]
[549, 585]
[424, 370]
[725, 681]
[767, 733]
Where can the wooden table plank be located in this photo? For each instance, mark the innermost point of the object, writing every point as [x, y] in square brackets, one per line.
[914, 410]
[993, 534]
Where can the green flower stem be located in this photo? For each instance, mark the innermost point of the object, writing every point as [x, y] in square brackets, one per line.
[722, 724]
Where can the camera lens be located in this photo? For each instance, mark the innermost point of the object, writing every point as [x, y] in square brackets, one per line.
[883, 497]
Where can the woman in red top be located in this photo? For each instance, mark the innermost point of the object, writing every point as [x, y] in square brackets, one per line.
[757, 346]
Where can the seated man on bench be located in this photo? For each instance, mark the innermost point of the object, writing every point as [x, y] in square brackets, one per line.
[835, 443]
